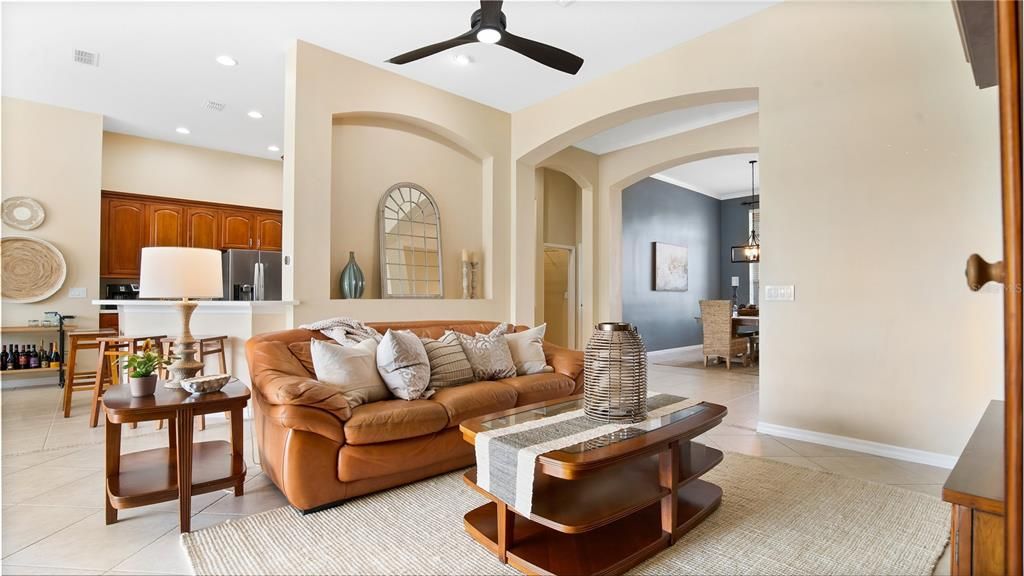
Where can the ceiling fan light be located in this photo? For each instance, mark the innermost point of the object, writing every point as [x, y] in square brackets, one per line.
[488, 35]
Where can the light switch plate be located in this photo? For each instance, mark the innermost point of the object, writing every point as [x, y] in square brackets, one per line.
[77, 293]
[779, 293]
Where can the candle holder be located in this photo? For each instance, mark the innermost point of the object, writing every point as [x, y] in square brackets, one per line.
[469, 279]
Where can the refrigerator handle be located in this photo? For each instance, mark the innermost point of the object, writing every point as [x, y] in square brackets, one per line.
[258, 281]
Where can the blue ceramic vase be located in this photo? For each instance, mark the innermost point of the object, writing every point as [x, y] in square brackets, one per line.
[352, 281]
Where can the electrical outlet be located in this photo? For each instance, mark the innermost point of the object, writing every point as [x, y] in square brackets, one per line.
[77, 293]
[779, 293]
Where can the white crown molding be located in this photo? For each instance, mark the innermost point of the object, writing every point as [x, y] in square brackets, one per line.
[858, 445]
[681, 184]
[731, 195]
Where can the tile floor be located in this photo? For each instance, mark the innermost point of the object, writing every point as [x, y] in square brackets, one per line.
[52, 482]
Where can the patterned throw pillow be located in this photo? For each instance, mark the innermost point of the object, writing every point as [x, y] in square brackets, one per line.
[527, 349]
[489, 354]
[403, 364]
[448, 363]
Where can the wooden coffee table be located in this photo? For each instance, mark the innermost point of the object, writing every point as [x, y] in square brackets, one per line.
[183, 469]
[602, 506]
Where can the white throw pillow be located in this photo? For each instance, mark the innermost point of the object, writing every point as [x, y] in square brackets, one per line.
[527, 348]
[403, 364]
[351, 368]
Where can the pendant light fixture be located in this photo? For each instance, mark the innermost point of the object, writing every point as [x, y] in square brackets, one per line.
[751, 251]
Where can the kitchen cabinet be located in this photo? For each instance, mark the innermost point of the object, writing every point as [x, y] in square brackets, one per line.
[129, 222]
[125, 231]
[202, 227]
[268, 231]
[237, 229]
[165, 224]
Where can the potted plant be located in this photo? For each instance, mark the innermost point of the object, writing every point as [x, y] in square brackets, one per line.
[142, 367]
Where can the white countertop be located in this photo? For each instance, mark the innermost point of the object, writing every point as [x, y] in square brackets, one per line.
[201, 303]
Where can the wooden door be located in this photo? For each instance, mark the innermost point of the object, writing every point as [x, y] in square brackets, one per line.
[165, 224]
[202, 227]
[237, 229]
[125, 237]
[268, 232]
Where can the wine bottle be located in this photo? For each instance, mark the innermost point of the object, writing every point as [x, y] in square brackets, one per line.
[33, 357]
[54, 356]
[12, 359]
[44, 356]
[3, 358]
[23, 358]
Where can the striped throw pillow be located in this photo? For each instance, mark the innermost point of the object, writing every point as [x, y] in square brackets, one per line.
[448, 363]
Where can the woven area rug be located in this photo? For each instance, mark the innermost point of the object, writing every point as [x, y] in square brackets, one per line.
[774, 519]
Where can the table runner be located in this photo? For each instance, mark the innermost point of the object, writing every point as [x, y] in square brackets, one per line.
[506, 458]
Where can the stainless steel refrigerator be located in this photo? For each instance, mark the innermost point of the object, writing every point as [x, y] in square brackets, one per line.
[252, 275]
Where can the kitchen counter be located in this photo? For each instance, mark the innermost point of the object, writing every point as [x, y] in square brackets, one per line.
[238, 320]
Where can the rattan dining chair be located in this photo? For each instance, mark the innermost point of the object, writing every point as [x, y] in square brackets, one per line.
[719, 338]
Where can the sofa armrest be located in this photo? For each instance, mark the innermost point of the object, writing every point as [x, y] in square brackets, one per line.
[280, 379]
[306, 419]
[565, 361]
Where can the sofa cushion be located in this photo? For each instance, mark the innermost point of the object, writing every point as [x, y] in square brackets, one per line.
[394, 420]
[476, 399]
[539, 387]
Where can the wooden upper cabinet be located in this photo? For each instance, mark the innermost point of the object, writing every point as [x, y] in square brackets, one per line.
[203, 227]
[268, 231]
[125, 237]
[237, 229]
[165, 224]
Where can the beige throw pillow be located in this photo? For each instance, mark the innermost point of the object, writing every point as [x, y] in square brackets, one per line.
[403, 364]
[351, 368]
[448, 363]
[489, 354]
[527, 348]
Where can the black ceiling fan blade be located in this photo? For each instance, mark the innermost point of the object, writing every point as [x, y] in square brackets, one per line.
[547, 55]
[467, 38]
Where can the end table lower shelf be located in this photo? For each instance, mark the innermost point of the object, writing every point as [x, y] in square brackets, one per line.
[151, 476]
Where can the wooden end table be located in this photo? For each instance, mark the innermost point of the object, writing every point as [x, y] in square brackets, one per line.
[183, 468]
[605, 505]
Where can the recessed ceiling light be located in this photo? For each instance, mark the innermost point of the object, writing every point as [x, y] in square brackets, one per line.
[255, 114]
[462, 59]
[273, 148]
[488, 35]
[225, 60]
[182, 130]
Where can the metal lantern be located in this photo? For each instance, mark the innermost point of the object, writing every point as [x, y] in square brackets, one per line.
[615, 374]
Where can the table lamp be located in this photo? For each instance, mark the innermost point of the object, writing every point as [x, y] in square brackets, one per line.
[171, 272]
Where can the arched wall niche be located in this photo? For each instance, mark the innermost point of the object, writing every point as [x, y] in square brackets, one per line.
[372, 151]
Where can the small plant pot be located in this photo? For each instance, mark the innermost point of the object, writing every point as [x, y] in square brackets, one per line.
[144, 386]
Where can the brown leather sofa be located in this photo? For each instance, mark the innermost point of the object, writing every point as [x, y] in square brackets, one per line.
[320, 451]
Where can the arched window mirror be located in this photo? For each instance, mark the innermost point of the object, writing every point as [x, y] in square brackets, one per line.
[410, 243]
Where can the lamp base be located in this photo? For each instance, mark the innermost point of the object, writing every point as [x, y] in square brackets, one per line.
[186, 365]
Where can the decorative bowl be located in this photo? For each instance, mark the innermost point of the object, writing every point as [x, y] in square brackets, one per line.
[205, 384]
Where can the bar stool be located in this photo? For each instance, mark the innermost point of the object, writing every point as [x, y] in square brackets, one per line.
[116, 346]
[205, 346]
[80, 380]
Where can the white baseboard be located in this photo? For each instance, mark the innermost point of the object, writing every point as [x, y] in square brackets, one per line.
[668, 351]
[858, 445]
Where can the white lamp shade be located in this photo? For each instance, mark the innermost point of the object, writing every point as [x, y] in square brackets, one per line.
[170, 272]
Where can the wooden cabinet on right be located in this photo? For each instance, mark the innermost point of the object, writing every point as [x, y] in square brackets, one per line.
[268, 231]
[975, 488]
[237, 230]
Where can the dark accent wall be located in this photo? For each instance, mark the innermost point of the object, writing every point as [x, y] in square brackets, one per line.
[655, 211]
[735, 231]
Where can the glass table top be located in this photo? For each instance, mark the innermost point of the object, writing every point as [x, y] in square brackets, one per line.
[632, 431]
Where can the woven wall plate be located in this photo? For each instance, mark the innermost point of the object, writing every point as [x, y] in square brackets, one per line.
[33, 269]
[23, 213]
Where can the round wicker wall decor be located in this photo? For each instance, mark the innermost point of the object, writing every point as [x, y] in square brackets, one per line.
[33, 269]
[22, 212]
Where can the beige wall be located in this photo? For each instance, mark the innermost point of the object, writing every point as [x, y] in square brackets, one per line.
[53, 155]
[561, 206]
[879, 172]
[322, 85]
[144, 166]
[371, 155]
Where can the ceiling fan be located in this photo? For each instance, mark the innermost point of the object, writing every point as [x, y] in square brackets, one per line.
[487, 25]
